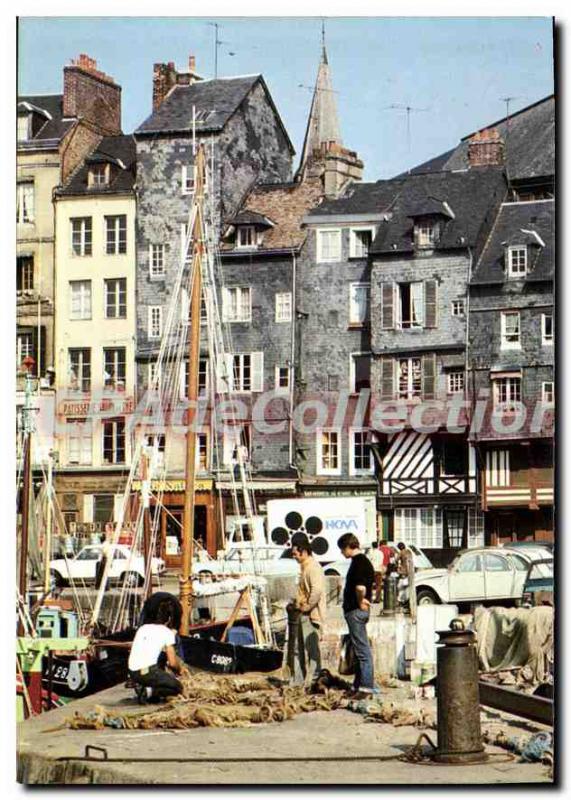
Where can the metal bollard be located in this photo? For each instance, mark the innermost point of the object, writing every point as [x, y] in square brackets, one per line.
[390, 595]
[293, 614]
[458, 700]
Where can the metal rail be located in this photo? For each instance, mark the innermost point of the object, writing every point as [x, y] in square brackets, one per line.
[528, 706]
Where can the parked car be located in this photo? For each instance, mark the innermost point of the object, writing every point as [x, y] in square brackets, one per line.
[340, 567]
[484, 574]
[238, 561]
[538, 586]
[126, 566]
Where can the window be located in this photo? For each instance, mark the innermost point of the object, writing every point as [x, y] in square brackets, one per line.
[546, 329]
[458, 307]
[246, 236]
[283, 307]
[409, 378]
[157, 443]
[98, 175]
[89, 554]
[79, 441]
[471, 562]
[517, 261]
[242, 372]
[455, 528]
[455, 381]
[188, 178]
[454, 457]
[507, 391]
[155, 322]
[359, 242]
[410, 301]
[114, 361]
[333, 383]
[361, 456]
[329, 452]
[23, 127]
[116, 235]
[202, 459]
[24, 346]
[328, 246]
[237, 304]
[237, 445]
[116, 298]
[25, 201]
[282, 377]
[425, 233]
[494, 563]
[510, 330]
[154, 375]
[81, 236]
[79, 363]
[156, 260]
[80, 299]
[25, 273]
[202, 377]
[359, 303]
[360, 372]
[419, 526]
[547, 392]
[497, 468]
[114, 441]
[103, 509]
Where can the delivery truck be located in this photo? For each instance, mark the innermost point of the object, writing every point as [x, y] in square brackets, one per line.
[321, 521]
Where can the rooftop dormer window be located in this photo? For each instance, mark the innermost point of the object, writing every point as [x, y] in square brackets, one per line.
[426, 232]
[517, 261]
[98, 175]
[246, 236]
[23, 127]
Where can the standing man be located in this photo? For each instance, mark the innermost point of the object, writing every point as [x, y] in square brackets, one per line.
[405, 569]
[311, 603]
[376, 558]
[357, 598]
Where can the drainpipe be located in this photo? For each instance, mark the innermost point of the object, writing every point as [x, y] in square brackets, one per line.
[292, 357]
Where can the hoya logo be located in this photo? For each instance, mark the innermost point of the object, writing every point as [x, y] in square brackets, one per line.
[341, 524]
[222, 661]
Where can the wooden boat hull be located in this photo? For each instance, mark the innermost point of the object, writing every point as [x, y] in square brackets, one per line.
[228, 658]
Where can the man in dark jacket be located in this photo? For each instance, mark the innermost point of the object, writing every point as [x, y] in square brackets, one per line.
[357, 598]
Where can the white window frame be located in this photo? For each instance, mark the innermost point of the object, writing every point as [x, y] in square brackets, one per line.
[156, 260]
[113, 225]
[546, 340]
[510, 402]
[84, 223]
[513, 250]
[458, 307]
[283, 302]
[279, 388]
[410, 394]
[83, 374]
[321, 470]
[249, 232]
[355, 250]
[23, 127]
[507, 344]
[353, 470]
[24, 346]
[354, 318]
[417, 531]
[115, 296]
[115, 382]
[85, 310]
[548, 395]
[451, 377]
[153, 368]
[205, 433]
[81, 432]
[188, 179]
[26, 202]
[234, 307]
[115, 423]
[426, 233]
[420, 310]
[155, 326]
[98, 175]
[320, 256]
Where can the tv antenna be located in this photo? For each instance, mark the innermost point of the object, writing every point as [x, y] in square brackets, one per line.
[217, 43]
[409, 110]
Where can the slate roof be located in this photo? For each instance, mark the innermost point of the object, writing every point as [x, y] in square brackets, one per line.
[247, 217]
[54, 128]
[473, 197]
[117, 150]
[529, 135]
[512, 221]
[360, 198]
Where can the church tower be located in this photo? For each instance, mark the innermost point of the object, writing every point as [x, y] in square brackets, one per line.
[323, 155]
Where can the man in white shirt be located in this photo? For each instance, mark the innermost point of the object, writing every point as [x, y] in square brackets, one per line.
[151, 641]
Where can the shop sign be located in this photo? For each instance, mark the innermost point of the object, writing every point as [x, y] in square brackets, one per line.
[204, 485]
[107, 406]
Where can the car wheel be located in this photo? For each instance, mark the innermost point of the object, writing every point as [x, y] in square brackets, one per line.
[426, 597]
[332, 572]
[56, 580]
[132, 580]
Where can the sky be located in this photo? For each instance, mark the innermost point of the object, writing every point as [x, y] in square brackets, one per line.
[454, 73]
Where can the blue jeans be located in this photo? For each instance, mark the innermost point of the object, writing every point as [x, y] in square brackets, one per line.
[364, 674]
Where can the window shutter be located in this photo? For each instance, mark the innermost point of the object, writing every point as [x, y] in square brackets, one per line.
[117, 505]
[430, 300]
[428, 376]
[257, 372]
[88, 508]
[387, 379]
[42, 351]
[224, 374]
[388, 305]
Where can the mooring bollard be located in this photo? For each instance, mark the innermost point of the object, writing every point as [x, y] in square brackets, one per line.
[458, 700]
[390, 595]
[293, 614]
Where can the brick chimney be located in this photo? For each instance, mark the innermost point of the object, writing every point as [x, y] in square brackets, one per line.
[165, 76]
[92, 95]
[486, 149]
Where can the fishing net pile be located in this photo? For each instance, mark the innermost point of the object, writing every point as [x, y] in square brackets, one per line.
[229, 701]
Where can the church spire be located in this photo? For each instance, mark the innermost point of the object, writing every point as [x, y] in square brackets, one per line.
[323, 125]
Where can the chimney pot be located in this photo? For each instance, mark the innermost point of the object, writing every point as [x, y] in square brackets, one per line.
[486, 148]
[191, 63]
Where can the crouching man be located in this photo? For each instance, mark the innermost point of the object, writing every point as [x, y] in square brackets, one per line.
[153, 659]
[357, 597]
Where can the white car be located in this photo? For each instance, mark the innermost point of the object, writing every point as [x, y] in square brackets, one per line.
[483, 574]
[240, 561]
[126, 567]
[341, 567]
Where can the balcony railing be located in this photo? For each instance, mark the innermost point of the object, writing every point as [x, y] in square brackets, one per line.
[445, 484]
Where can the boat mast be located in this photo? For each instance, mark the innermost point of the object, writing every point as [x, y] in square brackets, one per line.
[146, 499]
[27, 477]
[48, 539]
[192, 390]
